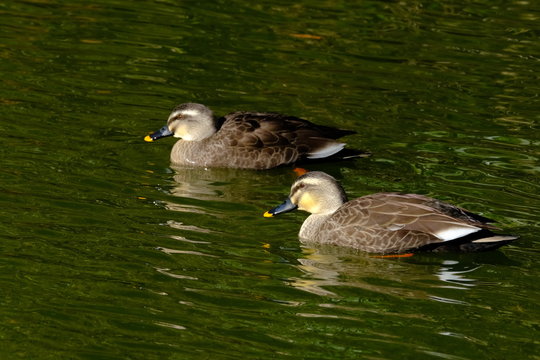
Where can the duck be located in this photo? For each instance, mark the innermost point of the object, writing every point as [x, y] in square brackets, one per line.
[248, 140]
[385, 223]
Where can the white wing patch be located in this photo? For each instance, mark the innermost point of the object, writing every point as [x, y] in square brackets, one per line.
[455, 232]
[326, 151]
[395, 227]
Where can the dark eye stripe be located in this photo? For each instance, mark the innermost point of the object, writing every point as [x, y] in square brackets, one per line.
[173, 119]
[297, 187]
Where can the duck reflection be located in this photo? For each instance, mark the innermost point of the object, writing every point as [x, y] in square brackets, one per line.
[205, 195]
[422, 276]
[225, 184]
[455, 278]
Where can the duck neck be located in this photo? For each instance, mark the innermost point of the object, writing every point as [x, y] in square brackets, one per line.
[202, 133]
[188, 152]
[311, 225]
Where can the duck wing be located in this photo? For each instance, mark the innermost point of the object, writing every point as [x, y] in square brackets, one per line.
[300, 138]
[390, 222]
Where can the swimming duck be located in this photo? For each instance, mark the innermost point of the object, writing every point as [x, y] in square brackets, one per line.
[249, 140]
[385, 222]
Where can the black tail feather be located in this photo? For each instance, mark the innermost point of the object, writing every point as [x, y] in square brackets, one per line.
[350, 154]
[333, 133]
[345, 154]
[468, 244]
[479, 247]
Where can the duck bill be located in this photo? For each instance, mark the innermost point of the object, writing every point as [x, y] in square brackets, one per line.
[283, 208]
[161, 133]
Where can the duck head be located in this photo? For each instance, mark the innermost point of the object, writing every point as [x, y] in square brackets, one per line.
[189, 121]
[315, 192]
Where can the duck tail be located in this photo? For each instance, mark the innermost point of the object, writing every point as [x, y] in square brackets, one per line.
[483, 240]
[331, 149]
[488, 243]
[352, 154]
[334, 133]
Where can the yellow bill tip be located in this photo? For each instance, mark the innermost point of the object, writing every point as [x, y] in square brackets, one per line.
[147, 138]
[267, 214]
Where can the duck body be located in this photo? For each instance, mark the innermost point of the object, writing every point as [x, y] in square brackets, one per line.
[249, 140]
[386, 222]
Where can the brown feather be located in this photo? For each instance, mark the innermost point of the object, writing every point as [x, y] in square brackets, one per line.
[388, 222]
[251, 139]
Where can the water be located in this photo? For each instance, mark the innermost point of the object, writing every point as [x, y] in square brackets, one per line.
[109, 253]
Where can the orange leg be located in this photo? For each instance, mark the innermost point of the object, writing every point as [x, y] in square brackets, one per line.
[393, 256]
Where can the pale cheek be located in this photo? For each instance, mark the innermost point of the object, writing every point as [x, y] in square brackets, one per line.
[183, 136]
[308, 204]
[181, 132]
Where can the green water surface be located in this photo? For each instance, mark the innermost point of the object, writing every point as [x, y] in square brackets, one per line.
[107, 252]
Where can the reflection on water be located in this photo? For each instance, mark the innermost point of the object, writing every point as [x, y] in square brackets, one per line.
[202, 198]
[224, 184]
[326, 269]
[181, 226]
[448, 274]
[166, 271]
